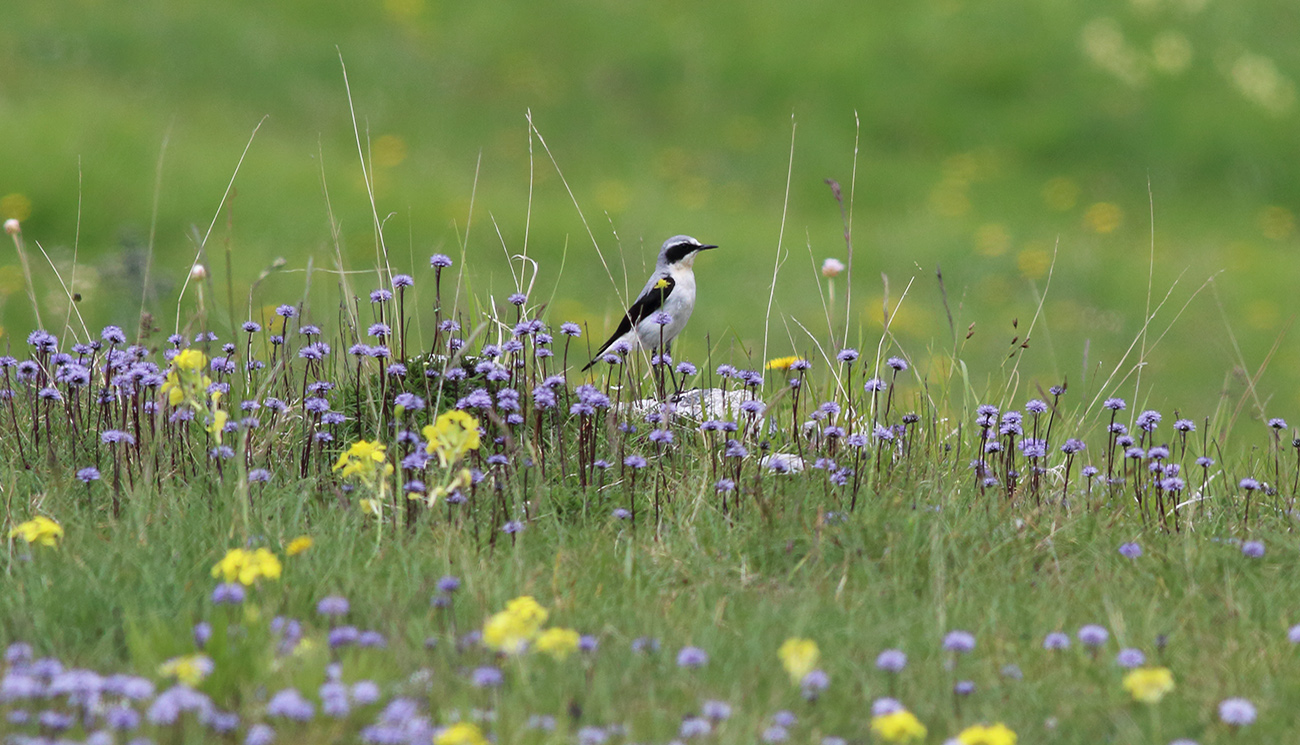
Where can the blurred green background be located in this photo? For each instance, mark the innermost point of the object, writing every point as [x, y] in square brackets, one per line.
[992, 134]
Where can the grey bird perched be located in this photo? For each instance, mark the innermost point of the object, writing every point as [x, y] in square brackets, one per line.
[670, 290]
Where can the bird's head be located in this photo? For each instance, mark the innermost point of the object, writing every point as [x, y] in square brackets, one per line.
[680, 250]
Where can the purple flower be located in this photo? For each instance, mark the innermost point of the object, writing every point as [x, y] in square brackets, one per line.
[228, 593]
[365, 692]
[959, 641]
[1237, 712]
[897, 364]
[440, 261]
[88, 474]
[1129, 658]
[634, 461]
[692, 657]
[1293, 634]
[1147, 420]
[621, 514]
[874, 385]
[290, 704]
[1130, 550]
[448, 584]
[1035, 406]
[716, 710]
[1114, 404]
[891, 661]
[814, 683]
[518, 298]
[372, 640]
[380, 296]
[1252, 549]
[1249, 484]
[114, 436]
[885, 705]
[661, 318]
[1093, 635]
[402, 280]
[286, 311]
[343, 636]
[964, 687]
[512, 527]
[486, 677]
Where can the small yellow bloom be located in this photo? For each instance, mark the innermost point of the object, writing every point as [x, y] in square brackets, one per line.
[898, 726]
[370, 507]
[799, 656]
[460, 733]
[558, 643]
[247, 566]
[298, 545]
[512, 629]
[1149, 684]
[190, 669]
[987, 734]
[782, 363]
[451, 436]
[190, 360]
[662, 283]
[367, 461]
[39, 529]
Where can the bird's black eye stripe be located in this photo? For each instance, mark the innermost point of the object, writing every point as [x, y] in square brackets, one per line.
[679, 251]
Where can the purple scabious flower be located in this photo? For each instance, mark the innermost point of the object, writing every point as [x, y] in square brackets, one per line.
[1184, 425]
[440, 261]
[512, 527]
[1114, 404]
[784, 718]
[343, 636]
[897, 364]
[114, 436]
[365, 692]
[692, 657]
[1252, 549]
[874, 385]
[814, 683]
[1249, 484]
[716, 711]
[1036, 406]
[885, 705]
[486, 677]
[1293, 634]
[1093, 635]
[847, 355]
[448, 584]
[403, 280]
[661, 437]
[692, 727]
[286, 311]
[228, 593]
[517, 298]
[661, 318]
[634, 461]
[372, 640]
[1277, 423]
[1130, 550]
[1072, 446]
[620, 514]
[1130, 658]
[891, 661]
[1147, 420]
[290, 704]
[569, 328]
[964, 687]
[1237, 712]
[88, 474]
[959, 641]
[380, 296]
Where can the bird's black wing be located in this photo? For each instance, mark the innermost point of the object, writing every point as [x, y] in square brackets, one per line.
[643, 308]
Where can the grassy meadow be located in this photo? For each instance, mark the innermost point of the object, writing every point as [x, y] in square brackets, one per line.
[294, 446]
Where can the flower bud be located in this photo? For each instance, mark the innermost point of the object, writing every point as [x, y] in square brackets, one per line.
[198, 272]
[12, 227]
[832, 267]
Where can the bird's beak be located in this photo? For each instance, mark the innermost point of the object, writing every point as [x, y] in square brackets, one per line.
[701, 248]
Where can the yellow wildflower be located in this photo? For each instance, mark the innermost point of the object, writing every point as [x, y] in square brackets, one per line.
[460, 733]
[512, 629]
[1149, 684]
[898, 726]
[298, 545]
[451, 436]
[365, 460]
[190, 360]
[799, 657]
[558, 643]
[39, 529]
[987, 734]
[247, 566]
[370, 507]
[661, 284]
[190, 669]
[783, 363]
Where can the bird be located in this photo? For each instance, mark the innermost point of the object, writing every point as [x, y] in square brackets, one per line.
[670, 290]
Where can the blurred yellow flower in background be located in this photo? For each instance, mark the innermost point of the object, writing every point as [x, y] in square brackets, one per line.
[799, 657]
[190, 669]
[558, 643]
[460, 733]
[247, 566]
[898, 726]
[40, 530]
[987, 734]
[1149, 684]
[298, 545]
[451, 436]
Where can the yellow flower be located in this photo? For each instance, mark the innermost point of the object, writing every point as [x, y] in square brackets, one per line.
[460, 733]
[190, 360]
[298, 545]
[662, 283]
[898, 726]
[370, 507]
[365, 460]
[247, 566]
[799, 656]
[512, 629]
[190, 669]
[451, 436]
[987, 734]
[1149, 684]
[39, 529]
[558, 643]
[782, 363]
